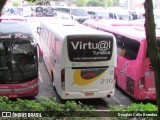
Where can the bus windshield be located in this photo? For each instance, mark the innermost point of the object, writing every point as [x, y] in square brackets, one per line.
[79, 12]
[17, 61]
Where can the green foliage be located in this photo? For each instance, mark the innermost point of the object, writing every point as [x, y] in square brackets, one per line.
[43, 2]
[95, 3]
[48, 107]
[80, 3]
[32, 1]
[109, 3]
[135, 107]
[16, 3]
[39, 2]
[19, 105]
[116, 2]
[137, 111]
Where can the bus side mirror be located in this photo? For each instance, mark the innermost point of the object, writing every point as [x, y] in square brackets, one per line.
[38, 30]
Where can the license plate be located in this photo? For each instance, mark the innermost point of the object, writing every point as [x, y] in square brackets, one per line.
[89, 94]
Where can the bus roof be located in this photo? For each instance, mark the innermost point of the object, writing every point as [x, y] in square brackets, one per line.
[69, 7]
[69, 28]
[124, 28]
[15, 30]
[117, 10]
[13, 18]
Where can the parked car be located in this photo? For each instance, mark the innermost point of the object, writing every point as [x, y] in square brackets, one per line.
[22, 11]
[39, 11]
[50, 11]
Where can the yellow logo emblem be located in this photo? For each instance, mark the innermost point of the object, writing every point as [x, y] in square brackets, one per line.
[87, 78]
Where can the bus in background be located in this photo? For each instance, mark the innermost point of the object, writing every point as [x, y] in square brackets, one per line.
[80, 60]
[18, 61]
[75, 13]
[97, 14]
[15, 18]
[118, 13]
[134, 74]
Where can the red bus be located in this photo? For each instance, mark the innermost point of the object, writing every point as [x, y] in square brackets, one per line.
[18, 61]
[134, 72]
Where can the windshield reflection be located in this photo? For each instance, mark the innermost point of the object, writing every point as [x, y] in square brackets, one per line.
[17, 62]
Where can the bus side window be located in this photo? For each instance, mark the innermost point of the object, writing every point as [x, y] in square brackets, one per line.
[122, 44]
[2, 56]
[53, 44]
[111, 15]
[121, 52]
[115, 16]
[72, 12]
[128, 54]
[129, 47]
[58, 50]
[132, 48]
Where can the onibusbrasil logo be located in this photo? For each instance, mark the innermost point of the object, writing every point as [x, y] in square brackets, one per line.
[84, 77]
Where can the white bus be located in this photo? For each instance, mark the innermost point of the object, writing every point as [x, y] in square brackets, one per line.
[80, 60]
[97, 14]
[75, 13]
[118, 13]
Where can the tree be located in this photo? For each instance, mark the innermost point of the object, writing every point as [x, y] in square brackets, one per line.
[39, 2]
[31, 0]
[115, 2]
[94, 3]
[46, 2]
[43, 2]
[2, 3]
[80, 3]
[152, 46]
[109, 3]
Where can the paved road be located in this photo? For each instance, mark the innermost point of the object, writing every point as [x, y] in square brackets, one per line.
[46, 89]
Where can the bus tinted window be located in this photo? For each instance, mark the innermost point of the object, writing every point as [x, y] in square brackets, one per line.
[82, 49]
[2, 57]
[127, 47]
[19, 62]
[79, 12]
